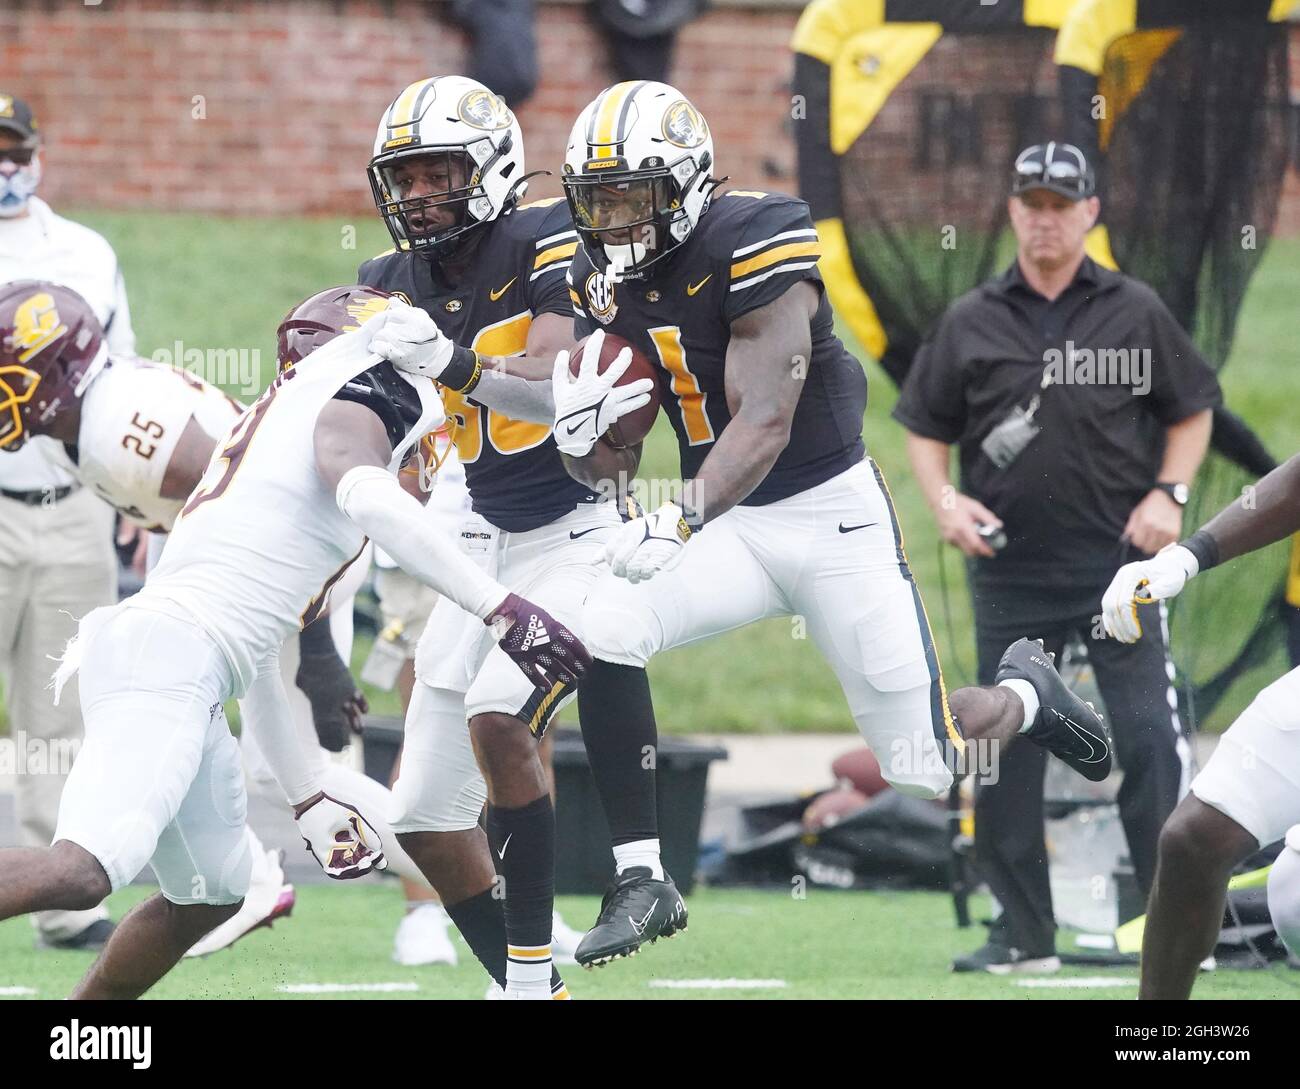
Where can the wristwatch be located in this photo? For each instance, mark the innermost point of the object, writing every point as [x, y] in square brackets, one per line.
[1179, 493]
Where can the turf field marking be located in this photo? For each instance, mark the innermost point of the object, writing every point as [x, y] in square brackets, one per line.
[10, 992]
[343, 988]
[718, 984]
[1083, 981]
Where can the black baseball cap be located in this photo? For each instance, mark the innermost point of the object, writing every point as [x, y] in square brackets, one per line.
[16, 116]
[1061, 168]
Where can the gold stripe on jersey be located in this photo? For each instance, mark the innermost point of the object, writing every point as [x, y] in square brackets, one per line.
[775, 256]
[544, 202]
[555, 253]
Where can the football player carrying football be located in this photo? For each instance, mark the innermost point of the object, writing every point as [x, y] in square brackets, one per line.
[782, 513]
[447, 172]
[283, 508]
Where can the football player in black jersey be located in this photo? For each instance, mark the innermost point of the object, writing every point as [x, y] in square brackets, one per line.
[782, 513]
[447, 172]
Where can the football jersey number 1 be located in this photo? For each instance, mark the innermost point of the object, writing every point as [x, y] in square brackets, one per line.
[685, 386]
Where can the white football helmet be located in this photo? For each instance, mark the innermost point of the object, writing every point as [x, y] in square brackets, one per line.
[471, 163]
[636, 174]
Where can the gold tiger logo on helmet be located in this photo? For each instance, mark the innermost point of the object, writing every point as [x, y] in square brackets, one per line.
[684, 126]
[36, 325]
[484, 110]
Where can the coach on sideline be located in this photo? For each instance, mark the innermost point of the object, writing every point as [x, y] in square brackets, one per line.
[1081, 412]
[56, 538]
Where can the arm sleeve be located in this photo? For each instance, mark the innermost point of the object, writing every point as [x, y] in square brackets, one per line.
[776, 248]
[1182, 383]
[518, 398]
[267, 705]
[933, 401]
[375, 502]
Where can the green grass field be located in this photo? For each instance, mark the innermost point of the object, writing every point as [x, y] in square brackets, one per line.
[224, 283]
[831, 945]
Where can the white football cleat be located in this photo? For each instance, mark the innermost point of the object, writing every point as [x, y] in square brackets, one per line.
[268, 898]
[422, 937]
[564, 940]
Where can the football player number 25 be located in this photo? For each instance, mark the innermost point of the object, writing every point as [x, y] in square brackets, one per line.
[144, 436]
[505, 338]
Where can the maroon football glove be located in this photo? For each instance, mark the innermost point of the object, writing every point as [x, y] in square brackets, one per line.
[546, 651]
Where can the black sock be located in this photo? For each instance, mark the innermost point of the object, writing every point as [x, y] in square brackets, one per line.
[618, 729]
[482, 924]
[523, 849]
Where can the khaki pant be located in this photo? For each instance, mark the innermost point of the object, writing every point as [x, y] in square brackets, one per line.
[57, 564]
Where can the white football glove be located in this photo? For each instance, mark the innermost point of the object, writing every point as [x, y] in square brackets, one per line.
[1157, 579]
[647, 544]
[340, 839]
[588, 405]
[411, 341]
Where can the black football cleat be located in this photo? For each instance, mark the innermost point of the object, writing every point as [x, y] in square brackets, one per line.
[1065, 725]
[636, 909]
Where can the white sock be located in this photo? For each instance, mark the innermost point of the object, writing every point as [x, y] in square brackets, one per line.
[528, 971]
[640, 852]
[1028, 697]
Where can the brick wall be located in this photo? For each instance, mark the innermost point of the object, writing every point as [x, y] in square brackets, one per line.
[292, 90]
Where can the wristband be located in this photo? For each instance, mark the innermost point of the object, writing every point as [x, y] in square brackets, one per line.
[464, 370]
[693, 522]
[1204, 547]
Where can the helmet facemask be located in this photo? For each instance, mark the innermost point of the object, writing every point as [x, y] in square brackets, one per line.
[632, 218]
[449, 199]
[17, 385]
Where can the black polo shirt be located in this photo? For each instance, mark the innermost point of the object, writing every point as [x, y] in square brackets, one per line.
[1066, 498]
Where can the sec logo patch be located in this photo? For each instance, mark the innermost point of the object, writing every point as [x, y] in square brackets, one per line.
[600, 297]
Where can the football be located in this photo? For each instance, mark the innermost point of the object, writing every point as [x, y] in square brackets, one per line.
[633, 427]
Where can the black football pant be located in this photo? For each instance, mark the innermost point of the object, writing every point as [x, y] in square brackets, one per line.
[1134, 681]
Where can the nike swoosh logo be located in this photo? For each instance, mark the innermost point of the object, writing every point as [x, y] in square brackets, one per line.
[574, 536]
[691, 289]
[645, 919]
[850, 529]
[1096, 745]
[494, 295]
[502, 853]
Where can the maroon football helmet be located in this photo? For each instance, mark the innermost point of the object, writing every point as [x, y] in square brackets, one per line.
[49, 340]
[316, 321]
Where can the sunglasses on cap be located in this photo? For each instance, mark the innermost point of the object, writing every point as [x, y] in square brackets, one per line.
[1058, 167]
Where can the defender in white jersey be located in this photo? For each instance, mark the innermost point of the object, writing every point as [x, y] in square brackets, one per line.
[142, 435]
[1248, 794]
[284, 506]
